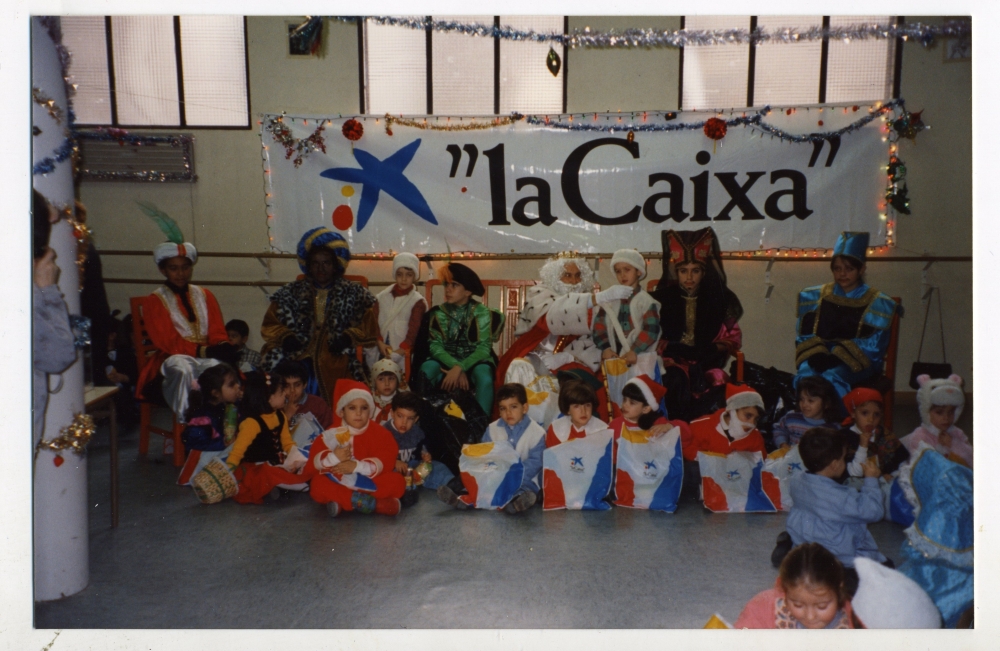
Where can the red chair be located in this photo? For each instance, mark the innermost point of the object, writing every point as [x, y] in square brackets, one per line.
[144, 349]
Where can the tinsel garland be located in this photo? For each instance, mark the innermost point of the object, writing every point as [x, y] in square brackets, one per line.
[924, 34]
[74, 436]
[40, 98]
[48, 164]
[302, 147]
[80, 325]
[461, 126]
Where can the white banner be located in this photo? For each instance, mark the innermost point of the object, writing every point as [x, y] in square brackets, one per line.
[537, 187]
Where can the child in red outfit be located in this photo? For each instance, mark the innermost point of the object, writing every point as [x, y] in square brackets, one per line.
[352, 466]
[731, 429]
[641, 398]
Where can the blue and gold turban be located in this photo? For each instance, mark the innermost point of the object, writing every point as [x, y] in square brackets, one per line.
[320, 237]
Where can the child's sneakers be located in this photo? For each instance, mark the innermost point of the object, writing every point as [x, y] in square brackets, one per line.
[333, 509]
[387, 506]
[524, 501]
[450, 497]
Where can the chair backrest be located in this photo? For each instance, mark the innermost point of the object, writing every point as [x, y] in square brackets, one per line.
[144, 347]
[651, 284]
[511, 295]
[889, 371]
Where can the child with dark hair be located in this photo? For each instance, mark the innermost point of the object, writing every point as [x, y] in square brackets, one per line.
[809, 593]
[578, 404]
[300, 403]
[818, 407]
[238, 332]
[263, 455]
[730, 429]
[641, 411]
[827, 512]
[402, 423]
[212, 413]
[865, 437]
[386, 380]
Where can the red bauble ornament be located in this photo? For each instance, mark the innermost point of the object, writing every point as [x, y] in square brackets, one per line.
[821, 123]
[58, 461]
[352, 130]
[715, 128]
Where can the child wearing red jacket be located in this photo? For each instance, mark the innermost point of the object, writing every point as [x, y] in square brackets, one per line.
[731, 429]
[352, 466]
[641, 398]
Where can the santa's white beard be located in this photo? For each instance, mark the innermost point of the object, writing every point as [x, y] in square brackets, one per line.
[562, 288]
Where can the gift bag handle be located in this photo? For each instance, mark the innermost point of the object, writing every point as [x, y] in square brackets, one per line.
[927, 311]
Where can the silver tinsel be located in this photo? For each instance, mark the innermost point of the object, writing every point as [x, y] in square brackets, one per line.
[924, 34]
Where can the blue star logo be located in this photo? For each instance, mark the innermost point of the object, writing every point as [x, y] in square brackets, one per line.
[576, 461]
[795, 465]
[650, 465]
[733, 475]
[491, 464]
[378, 176]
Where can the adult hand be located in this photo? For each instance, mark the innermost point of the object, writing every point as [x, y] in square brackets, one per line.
[117, 378]
[870, 467]
[613, 293]
[557, 360]
[46, 271]
[608, 354]
[452, 378]
[291, 345]
[342, 452]
[630, 357]
[345, 467]
[823, 362]
[384, 349]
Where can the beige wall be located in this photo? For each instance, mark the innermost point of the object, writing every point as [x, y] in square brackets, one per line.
[224, 210]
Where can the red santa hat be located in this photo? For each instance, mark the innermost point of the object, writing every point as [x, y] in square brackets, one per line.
[739, 396]
[652, 390]
[860, 396]
[347, 391]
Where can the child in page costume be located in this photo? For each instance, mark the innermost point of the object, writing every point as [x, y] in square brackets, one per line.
[866, 438]
[352, 467]
[843, 326]
[941, 403]
[185, 325]
[399, 309]
[699, 317]
[627, 329]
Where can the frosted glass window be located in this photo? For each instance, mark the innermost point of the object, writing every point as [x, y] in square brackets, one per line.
[860, 70]
[526, 85]
[213, 58]
[462, 70]
[787, 73]
[395, 69]
[85, 38]
[715, 76]
[145, 70]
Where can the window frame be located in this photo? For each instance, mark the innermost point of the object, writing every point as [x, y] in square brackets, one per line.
[113, 98]
[824, 60]
[429, 81]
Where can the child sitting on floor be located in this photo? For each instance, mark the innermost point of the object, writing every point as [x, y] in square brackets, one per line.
[526, 437]
[818, 407]
[641, 398]
[865, 437]
[386, 378]
[399, 309]
[404, 414]
[831, 514]
[628, 328]
[730, 429]
[809, 593]
[352, 467]
[941, 403]
[212, 413]
[263, 455]
[578, 404]
[238, 332]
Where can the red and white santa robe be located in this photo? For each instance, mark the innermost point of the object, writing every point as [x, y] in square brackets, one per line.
[373, 448]
[708, 434]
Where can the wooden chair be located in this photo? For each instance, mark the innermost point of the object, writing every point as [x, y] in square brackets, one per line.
[144, 349]
[511, 293]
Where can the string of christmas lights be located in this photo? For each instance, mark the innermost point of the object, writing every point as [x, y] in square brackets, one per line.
[924, 34]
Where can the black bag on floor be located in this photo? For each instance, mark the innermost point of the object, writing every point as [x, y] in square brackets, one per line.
[446, 431]
[776, 389]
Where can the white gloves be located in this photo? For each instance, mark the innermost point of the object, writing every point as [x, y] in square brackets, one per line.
[614, 293]
[556, 360]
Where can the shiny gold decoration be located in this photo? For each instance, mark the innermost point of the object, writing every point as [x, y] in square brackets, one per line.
[49, 104]
[74, 436]
[462, 126]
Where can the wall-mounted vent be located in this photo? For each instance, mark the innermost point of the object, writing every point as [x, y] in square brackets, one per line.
[115, 155]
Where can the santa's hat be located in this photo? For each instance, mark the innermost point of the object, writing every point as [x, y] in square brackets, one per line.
[169, 250]
[652, 390]
[889, 599]
[347, 391]
[860, 396]
[946, 391]
[406, 261]
[632, 257]
[739, 396]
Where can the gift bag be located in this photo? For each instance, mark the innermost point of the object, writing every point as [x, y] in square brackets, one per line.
[214, 483]
[734, 483]
[618, 373]
[492, 474]
[780, 466]
[196, 462]
[543, 399]
[650, 470]
[305, 428]
[577, 474]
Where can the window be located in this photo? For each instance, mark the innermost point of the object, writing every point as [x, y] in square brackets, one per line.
[811, 72]
[416, 71]
[159, 71]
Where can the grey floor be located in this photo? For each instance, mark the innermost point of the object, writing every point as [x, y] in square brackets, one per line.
[174, 563]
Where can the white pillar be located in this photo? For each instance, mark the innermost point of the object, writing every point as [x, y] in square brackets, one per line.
[61, 540]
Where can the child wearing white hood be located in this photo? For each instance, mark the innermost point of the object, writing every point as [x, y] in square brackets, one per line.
[399, 309]
[941, 403]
